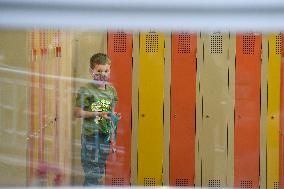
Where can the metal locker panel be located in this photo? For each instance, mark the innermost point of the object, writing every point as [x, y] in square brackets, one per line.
[183, 97]
[120, 53]
[135, 97]
[151, 94]
[51, 137]
[199, 121]
[247, 110]
[33, 108]
[45, 105]
[167, 109]
[65, 108]
[231, 106]
[51, 134]
[61, 64]
[215, 112]
[42, 94]
[38, 93]
[85, 44]
[49, 104]
[274, 61]
[263, 111]
[38, 97]
[281, 149]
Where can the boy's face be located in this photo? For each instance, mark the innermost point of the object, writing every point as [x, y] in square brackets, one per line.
[101, 72]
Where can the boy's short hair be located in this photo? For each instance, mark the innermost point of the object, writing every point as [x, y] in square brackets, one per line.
[100, 59]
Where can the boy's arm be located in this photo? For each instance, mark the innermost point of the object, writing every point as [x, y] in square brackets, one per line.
[80, 113]
[115, 99]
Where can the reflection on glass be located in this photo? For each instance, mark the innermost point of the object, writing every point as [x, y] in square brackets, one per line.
[141, 108]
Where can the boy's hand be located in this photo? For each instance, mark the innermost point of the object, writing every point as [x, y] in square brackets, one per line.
[118, 115]
[105, 115]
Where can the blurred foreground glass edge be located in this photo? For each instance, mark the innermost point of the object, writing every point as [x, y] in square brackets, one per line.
[138, 15]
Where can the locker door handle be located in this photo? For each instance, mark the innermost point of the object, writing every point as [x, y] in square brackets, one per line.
[272, 117]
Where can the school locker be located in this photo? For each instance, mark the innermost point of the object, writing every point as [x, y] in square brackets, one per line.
[274, 61]
[183, 97]
[247, 111]
[150, 123]
[120, 53]
[281, 134]
[216, 110]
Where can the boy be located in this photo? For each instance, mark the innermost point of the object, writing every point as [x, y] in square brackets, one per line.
[95, 104]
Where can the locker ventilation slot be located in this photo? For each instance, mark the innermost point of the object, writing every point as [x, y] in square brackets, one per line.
[216, 44]
[184, 43]
[152, 43]
[149, 181]
[35, 36]
[119, 42]
[182, 182]
[248, 44]
[214, 183]
[276, 185]
[246, 184]
[278, 44]
[50, 40]
[117, 181]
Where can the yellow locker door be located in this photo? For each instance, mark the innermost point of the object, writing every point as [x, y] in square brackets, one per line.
[274, 60]
[151, 95]
[216, 110]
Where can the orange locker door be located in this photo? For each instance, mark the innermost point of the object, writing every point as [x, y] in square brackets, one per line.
[183, 93]
[247, 111]
[120, 52]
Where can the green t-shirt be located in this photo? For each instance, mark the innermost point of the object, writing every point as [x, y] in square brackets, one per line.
[91, 98]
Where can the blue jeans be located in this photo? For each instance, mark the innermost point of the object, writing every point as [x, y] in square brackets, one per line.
[94, 154]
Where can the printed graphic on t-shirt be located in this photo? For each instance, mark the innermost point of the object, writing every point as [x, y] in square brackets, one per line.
[101, 105]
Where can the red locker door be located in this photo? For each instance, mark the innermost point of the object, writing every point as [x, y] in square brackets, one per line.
[120, 52]
[247, 111]
[183, 97]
